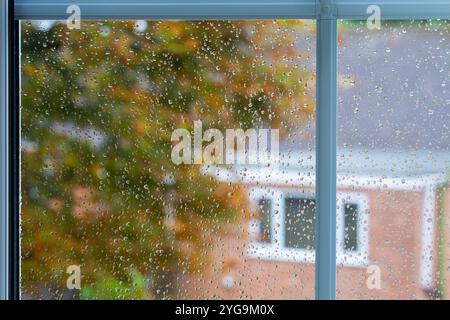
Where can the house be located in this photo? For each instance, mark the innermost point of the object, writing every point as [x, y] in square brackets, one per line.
[393, 201]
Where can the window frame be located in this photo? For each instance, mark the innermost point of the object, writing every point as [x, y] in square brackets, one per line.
[276, 250]
[325, 12]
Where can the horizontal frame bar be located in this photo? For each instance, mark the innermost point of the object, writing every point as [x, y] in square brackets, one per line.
[230, 9]
[168, 9]
[395, 9]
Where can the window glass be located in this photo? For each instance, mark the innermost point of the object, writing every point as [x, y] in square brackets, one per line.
[394, 154]
[351, 227]
[299, 223]
[130, 186]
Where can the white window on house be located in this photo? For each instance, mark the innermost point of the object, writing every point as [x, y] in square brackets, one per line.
[283, 227]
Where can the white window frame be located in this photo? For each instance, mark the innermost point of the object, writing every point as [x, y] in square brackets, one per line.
[276, 249]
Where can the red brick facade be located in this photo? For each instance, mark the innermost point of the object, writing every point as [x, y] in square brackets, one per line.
[395, 246]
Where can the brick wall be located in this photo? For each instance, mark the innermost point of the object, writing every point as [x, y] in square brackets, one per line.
[394, 246]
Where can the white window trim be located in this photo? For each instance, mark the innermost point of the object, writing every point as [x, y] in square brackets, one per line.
[276, 250]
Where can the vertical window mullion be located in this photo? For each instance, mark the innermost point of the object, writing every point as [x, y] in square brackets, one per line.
[4, 195]
[325, 245]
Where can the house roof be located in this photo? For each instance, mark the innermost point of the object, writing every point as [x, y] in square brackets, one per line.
[393, 94]
[395, 90]
[393, 106]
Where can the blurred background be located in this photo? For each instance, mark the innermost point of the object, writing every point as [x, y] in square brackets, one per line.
[99, 189]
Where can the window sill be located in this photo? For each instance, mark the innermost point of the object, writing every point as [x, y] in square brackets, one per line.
[270, 252]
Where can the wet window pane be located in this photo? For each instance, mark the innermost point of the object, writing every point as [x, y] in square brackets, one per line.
[146, 148]
[394, 159]
[299, 223]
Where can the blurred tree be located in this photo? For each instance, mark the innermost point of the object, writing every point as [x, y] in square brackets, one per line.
[98, 108]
